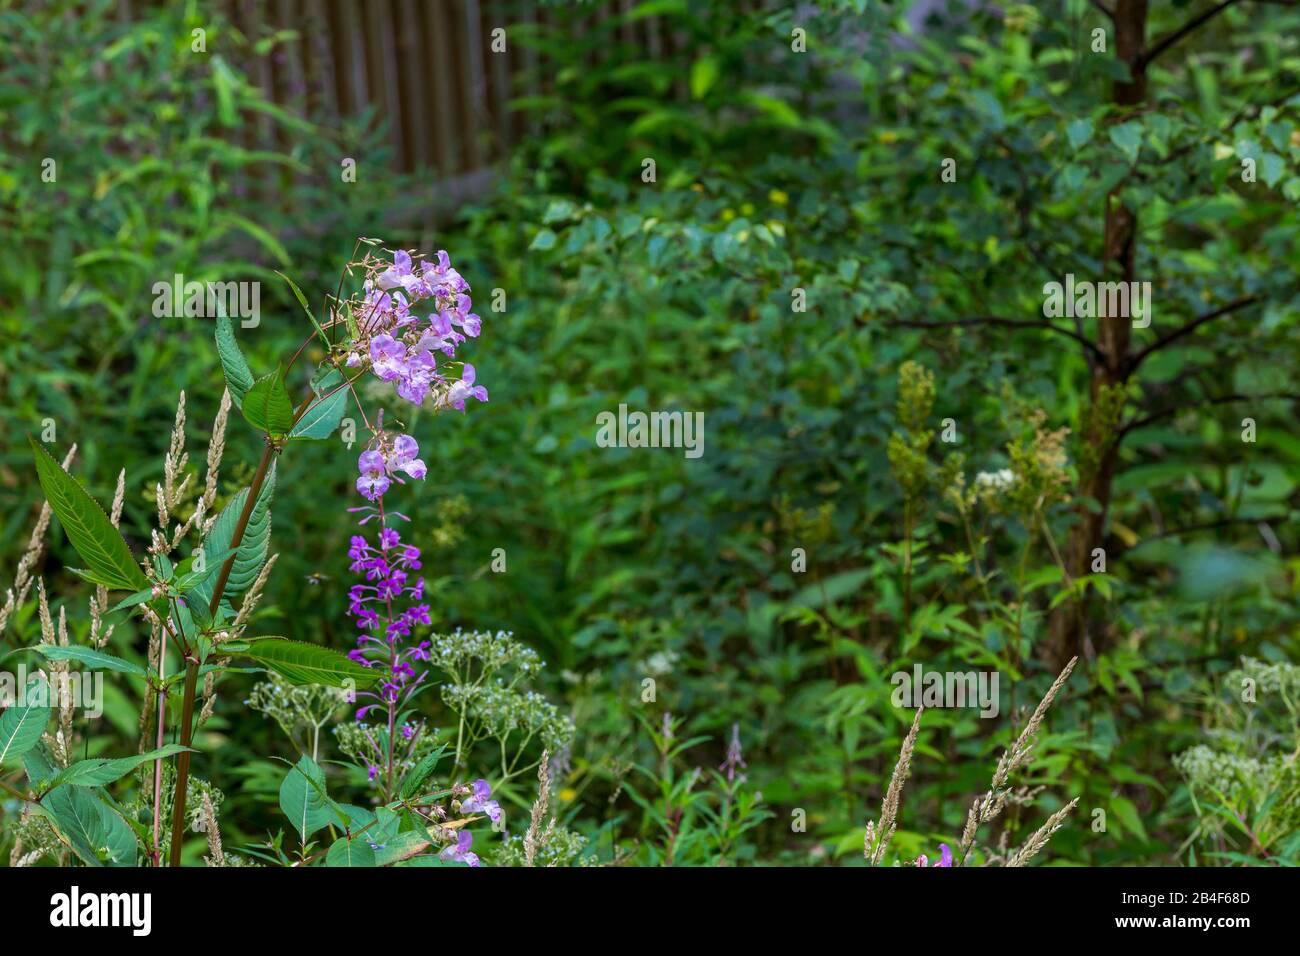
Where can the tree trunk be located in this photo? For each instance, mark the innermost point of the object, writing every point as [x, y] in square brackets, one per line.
[1071, 632]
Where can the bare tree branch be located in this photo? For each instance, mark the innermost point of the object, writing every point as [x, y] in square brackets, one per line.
[1188, 329]
[1169, 39]
[1247, 112]
[1136, 423]
[1212, 525]
[1004, 323]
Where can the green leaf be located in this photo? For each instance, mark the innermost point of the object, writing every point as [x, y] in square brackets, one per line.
[139, 597]
[1079, 132]
[358, 817]
[306, 308]
[302, 663]
[203, 618]
[99, 771]
[304, 800]
[831, 589]
[326, 411]
[704, 73]
[253, 547]
[989, 105]
[1128, 815]
[239, 379]
[416, 776]
[1271, 167]
[94, 659]
[97, 834]
[188, 582]
[192, 579]
[21, 727]
[1128, 137]
[354, 852]
[545, 239]
[775, 109]
[225, 83]
[559, 210]
[88, 528]
[225, 219]
[1209, 572]
[37, 764]
[267, 405]
[402, 846]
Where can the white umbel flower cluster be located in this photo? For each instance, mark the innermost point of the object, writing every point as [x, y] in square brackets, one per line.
[995, 480]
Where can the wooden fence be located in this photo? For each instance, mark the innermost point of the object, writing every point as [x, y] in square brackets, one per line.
[427, 68]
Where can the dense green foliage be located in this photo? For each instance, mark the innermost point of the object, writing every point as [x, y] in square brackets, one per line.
[868, 345]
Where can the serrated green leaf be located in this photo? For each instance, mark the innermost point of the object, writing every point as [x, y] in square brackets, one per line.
[252, 550]
[416, 776]
[90, 657]
[326, 411]
[21, 728]
[267, 405]
[401, 846]
[139, 597]
[98, 771]
[302, 663]
[354, 852]
[38, 765]
[304, 800]
[192, 579]
[87, 527]
[239, 379]
[96, 833]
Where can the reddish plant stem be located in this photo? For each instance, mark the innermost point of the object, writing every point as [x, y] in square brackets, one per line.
[192, 661]
[157, 764]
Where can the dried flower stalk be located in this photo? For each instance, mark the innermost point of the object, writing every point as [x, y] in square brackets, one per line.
[878, 835]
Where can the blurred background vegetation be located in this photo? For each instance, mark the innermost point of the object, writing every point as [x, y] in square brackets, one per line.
[776, 170]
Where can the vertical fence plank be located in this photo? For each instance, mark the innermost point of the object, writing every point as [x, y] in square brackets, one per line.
[426, 67]
[498, 74]
[265, 132]
[414, 76]
[293, 85]
[382, 56]
[318, 62]
[527, 66]
[443, 93]
[350, 53]
[475, 84]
